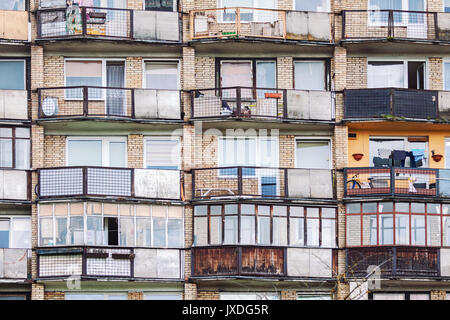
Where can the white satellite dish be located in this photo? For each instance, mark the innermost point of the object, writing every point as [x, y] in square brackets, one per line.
[50, 106]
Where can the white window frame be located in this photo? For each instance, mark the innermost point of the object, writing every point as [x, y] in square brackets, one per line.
[327, 9]
[405, 62]
[104, 79]
[10, 219]
[144, 69]
[312, 138]
[105, 147]
[162, 138]
[24, 71]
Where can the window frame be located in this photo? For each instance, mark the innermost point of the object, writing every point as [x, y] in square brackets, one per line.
[13, 147]
[446, 69]
[327, 69]
[311, 139]
[25, 86]
[163, 138]
[144, 70]
[10, 219]
[105, 148]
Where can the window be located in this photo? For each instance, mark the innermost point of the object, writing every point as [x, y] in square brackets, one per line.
[381, 18]
[161, 75]
[446, 5]
[161, 5]
[447, 154]
[311, 296]
[447, 74]
[398, 296]
[15, 232]
[310, 75]
[15, 140]
[397, 74]
[12, 73]
[411, 151]
[17, 5]
[107, 152]
[162, 153]
[249, 296]
[241, 73]
[312, 5]
[163, 296]
[416, 224]
[118, 4]
[265, 225]
[249, 15]
[313, 154]
[111, 224]
[95, 296]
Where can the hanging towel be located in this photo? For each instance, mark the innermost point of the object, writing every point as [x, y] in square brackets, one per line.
[418, 154]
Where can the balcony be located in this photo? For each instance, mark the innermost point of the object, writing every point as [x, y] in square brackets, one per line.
[395, 24]
[396, 181]
[15, 265]
[14, 25]
[109, 262]
[109, 103]
[262, 182]
[394, 262]
[261, 103]
[108, 23]
[67, 182]
[388, 103]
[260, 261]
[253, 23]
[15, 185]
[14, 104]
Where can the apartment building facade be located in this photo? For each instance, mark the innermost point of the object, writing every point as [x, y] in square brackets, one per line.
[217, 149]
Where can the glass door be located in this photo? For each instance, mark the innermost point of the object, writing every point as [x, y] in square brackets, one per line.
[115, 98]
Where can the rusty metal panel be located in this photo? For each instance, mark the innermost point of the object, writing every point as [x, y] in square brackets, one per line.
[215, 261]
[268, 261]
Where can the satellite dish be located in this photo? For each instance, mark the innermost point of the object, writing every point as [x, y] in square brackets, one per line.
[50, 106]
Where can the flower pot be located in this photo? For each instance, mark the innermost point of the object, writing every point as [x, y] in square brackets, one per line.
[437, 157]
[357, 156]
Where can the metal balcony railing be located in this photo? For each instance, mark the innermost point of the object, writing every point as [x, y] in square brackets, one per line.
[239, 261]
[385, 102]
[415, 262]
[262, 103]
[393, 181]
[395, 24]
[262, 182]
[66, 182]
[240, 22]
[108, 102]
[98, 22]
[109, 262]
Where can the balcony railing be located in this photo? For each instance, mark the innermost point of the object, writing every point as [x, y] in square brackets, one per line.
[66, 182]
[15, 185]
[96, 22]
[239, 22]
[395, 24]
[107, 102]
[396, 181]
[406, 103]
[393, 261]
[15, 264]
[262, 182]
[14, 104]
[110, 262]
[14, 25]
[231, 260]
[262, 103]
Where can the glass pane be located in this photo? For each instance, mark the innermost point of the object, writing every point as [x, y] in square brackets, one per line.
[417, 207]
[386, 229]
[117, 154]
[5, 132]
[61, 231]
[279, 231]
[386, 4]
[126, 232]
[447, 65]
[78, 149]
[313, 154]
[417, 230]
[144, 232]
[76, 230]
[4, 233]
[83, 73]
[264, 230]
[159, 232]
[385, 74]
[297, 232]
[446, 231]
[386, 207]
[402, 229]
[309, 75]
[434, 230]
[311, 5]
[160, 5]
[201, 231]
[370, 207]
[369, 229]
[247, 230]
[328, 233]
[447, 9]
[22, 133]
[6, 153]
[175, 233]
[265, 74]
[94, 230]
[433, 208]
[280, 211]
[388, 296]
[215, 210]
[21, 229]
[328, 213]
[312, 232]
[12, 73]
[231, 209]
[162, 75]
[402, 207]
[236, 74]
[353, 208]
[230, 230]
[216, 230]
[22, 154]
[162, 154]
[296, 211]
[200, 210]
[46, 232]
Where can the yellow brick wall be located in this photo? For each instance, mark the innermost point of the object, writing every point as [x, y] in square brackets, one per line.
[436, 73]
[356, 72]
[135, 151]
[55, 151]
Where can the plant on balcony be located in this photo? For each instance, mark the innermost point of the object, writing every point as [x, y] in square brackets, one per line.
[436, 157]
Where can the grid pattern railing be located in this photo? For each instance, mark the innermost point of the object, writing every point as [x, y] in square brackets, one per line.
[393, 262]
[85, 21]
[85, 261]
[373, 24]
[262, 182]
[239, 261]
[390, 181]
[109, 102]
[378, 103]
[103, 181]
[265, 103]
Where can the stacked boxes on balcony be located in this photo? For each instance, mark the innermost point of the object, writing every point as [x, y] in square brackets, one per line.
[198, 150]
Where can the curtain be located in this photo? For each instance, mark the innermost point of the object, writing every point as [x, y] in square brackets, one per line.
[385, 74]
[162, 154]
